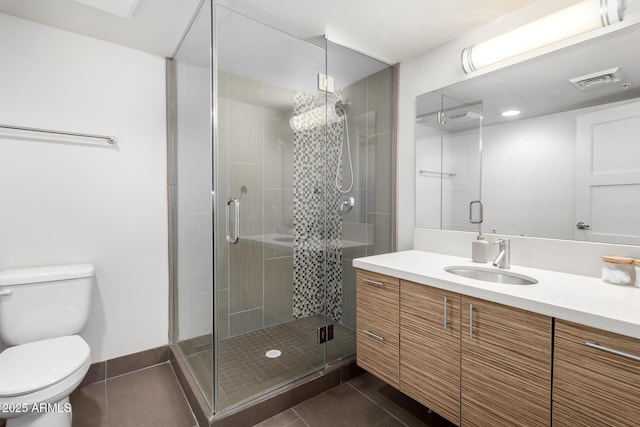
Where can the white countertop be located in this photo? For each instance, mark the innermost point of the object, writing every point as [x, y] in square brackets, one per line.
[580, 299]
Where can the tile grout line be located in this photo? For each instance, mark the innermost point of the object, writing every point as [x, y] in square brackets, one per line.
[172, 382]
[135, 370]
[184, 396]
[106, 396]
[377, 404]
[299, 417]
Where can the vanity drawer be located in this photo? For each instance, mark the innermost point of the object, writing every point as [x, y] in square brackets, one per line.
[378, 305]
[377, 324]
[380, 357]
[378, 284]
[597, 373]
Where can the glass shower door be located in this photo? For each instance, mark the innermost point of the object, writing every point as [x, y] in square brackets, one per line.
[270, 190]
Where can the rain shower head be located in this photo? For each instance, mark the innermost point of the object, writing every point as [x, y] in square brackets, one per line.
[329, 113]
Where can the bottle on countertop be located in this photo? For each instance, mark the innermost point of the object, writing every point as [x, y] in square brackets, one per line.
[480, 249]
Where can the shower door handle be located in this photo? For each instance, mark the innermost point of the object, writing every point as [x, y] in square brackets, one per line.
[236, 226]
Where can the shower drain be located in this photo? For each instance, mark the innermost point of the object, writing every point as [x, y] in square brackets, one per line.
[272, 354]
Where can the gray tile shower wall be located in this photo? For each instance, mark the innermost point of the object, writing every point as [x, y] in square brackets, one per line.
[278, 297]
[371, 130]
[255, 165]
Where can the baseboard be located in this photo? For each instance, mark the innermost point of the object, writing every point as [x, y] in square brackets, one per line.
[101, 371]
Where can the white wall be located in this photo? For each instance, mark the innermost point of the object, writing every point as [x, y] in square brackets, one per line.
[441, 67]
[87, 202]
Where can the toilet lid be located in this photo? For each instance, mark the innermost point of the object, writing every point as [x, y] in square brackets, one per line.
[30, 367]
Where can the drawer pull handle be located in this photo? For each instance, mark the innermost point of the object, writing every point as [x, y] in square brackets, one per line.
[371, 334]
[445, 313]
[612, 351]
[471, 321]
[373, 282]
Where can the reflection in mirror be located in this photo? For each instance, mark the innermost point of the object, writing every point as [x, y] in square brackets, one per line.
[568, 157]
[448, 161]
[476, 214]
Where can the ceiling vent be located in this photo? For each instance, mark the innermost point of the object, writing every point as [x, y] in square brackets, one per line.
[598, 79]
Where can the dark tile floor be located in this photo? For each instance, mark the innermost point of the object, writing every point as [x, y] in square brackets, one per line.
[151, 397]
[364, 401]
[147, 397]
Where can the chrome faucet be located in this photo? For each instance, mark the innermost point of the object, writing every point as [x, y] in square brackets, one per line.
[503, 260]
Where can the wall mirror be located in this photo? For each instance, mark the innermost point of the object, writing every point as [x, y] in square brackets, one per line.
[566, 167]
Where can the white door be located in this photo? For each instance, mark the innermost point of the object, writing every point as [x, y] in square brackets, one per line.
[608, 175]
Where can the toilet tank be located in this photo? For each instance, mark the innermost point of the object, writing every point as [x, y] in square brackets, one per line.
[44, 302]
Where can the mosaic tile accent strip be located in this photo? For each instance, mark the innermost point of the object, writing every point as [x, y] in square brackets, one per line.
[314, 165]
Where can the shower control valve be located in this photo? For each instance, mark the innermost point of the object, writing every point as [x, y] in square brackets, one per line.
[347, 203]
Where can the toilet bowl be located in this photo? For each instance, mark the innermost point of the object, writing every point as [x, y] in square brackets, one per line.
[37, 378]
[41, 311]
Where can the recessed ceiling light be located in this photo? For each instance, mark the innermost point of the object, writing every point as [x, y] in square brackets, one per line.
[510, 113]
[121, 8]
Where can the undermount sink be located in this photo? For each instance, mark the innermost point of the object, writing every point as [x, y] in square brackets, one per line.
[491, 275]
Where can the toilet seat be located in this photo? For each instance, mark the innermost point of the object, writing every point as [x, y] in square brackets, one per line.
[31, 367]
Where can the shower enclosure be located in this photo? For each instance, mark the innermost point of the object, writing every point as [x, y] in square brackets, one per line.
[281, 172]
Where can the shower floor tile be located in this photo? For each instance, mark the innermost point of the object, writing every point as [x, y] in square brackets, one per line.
[244, 369]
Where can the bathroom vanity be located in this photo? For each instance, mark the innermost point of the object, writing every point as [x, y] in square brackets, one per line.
[564, 351]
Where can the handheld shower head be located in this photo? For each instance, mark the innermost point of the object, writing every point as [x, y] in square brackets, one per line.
[341, 107]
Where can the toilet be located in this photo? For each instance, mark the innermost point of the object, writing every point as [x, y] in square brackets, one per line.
[41, 311]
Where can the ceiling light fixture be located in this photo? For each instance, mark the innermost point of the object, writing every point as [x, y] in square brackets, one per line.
[580, 18]
[510, 113]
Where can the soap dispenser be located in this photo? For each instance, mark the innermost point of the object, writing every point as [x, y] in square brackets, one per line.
[480, 249]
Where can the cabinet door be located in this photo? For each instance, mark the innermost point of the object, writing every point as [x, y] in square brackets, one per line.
[567, 417]
[377, 324]
[597, 373]
[430, 348]
[506, 365]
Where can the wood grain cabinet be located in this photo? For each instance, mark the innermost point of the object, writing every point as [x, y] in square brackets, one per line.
[506, 365]
[597, 374]
[567, 417]
[430, 348]
[474, 362]
[377, 324]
